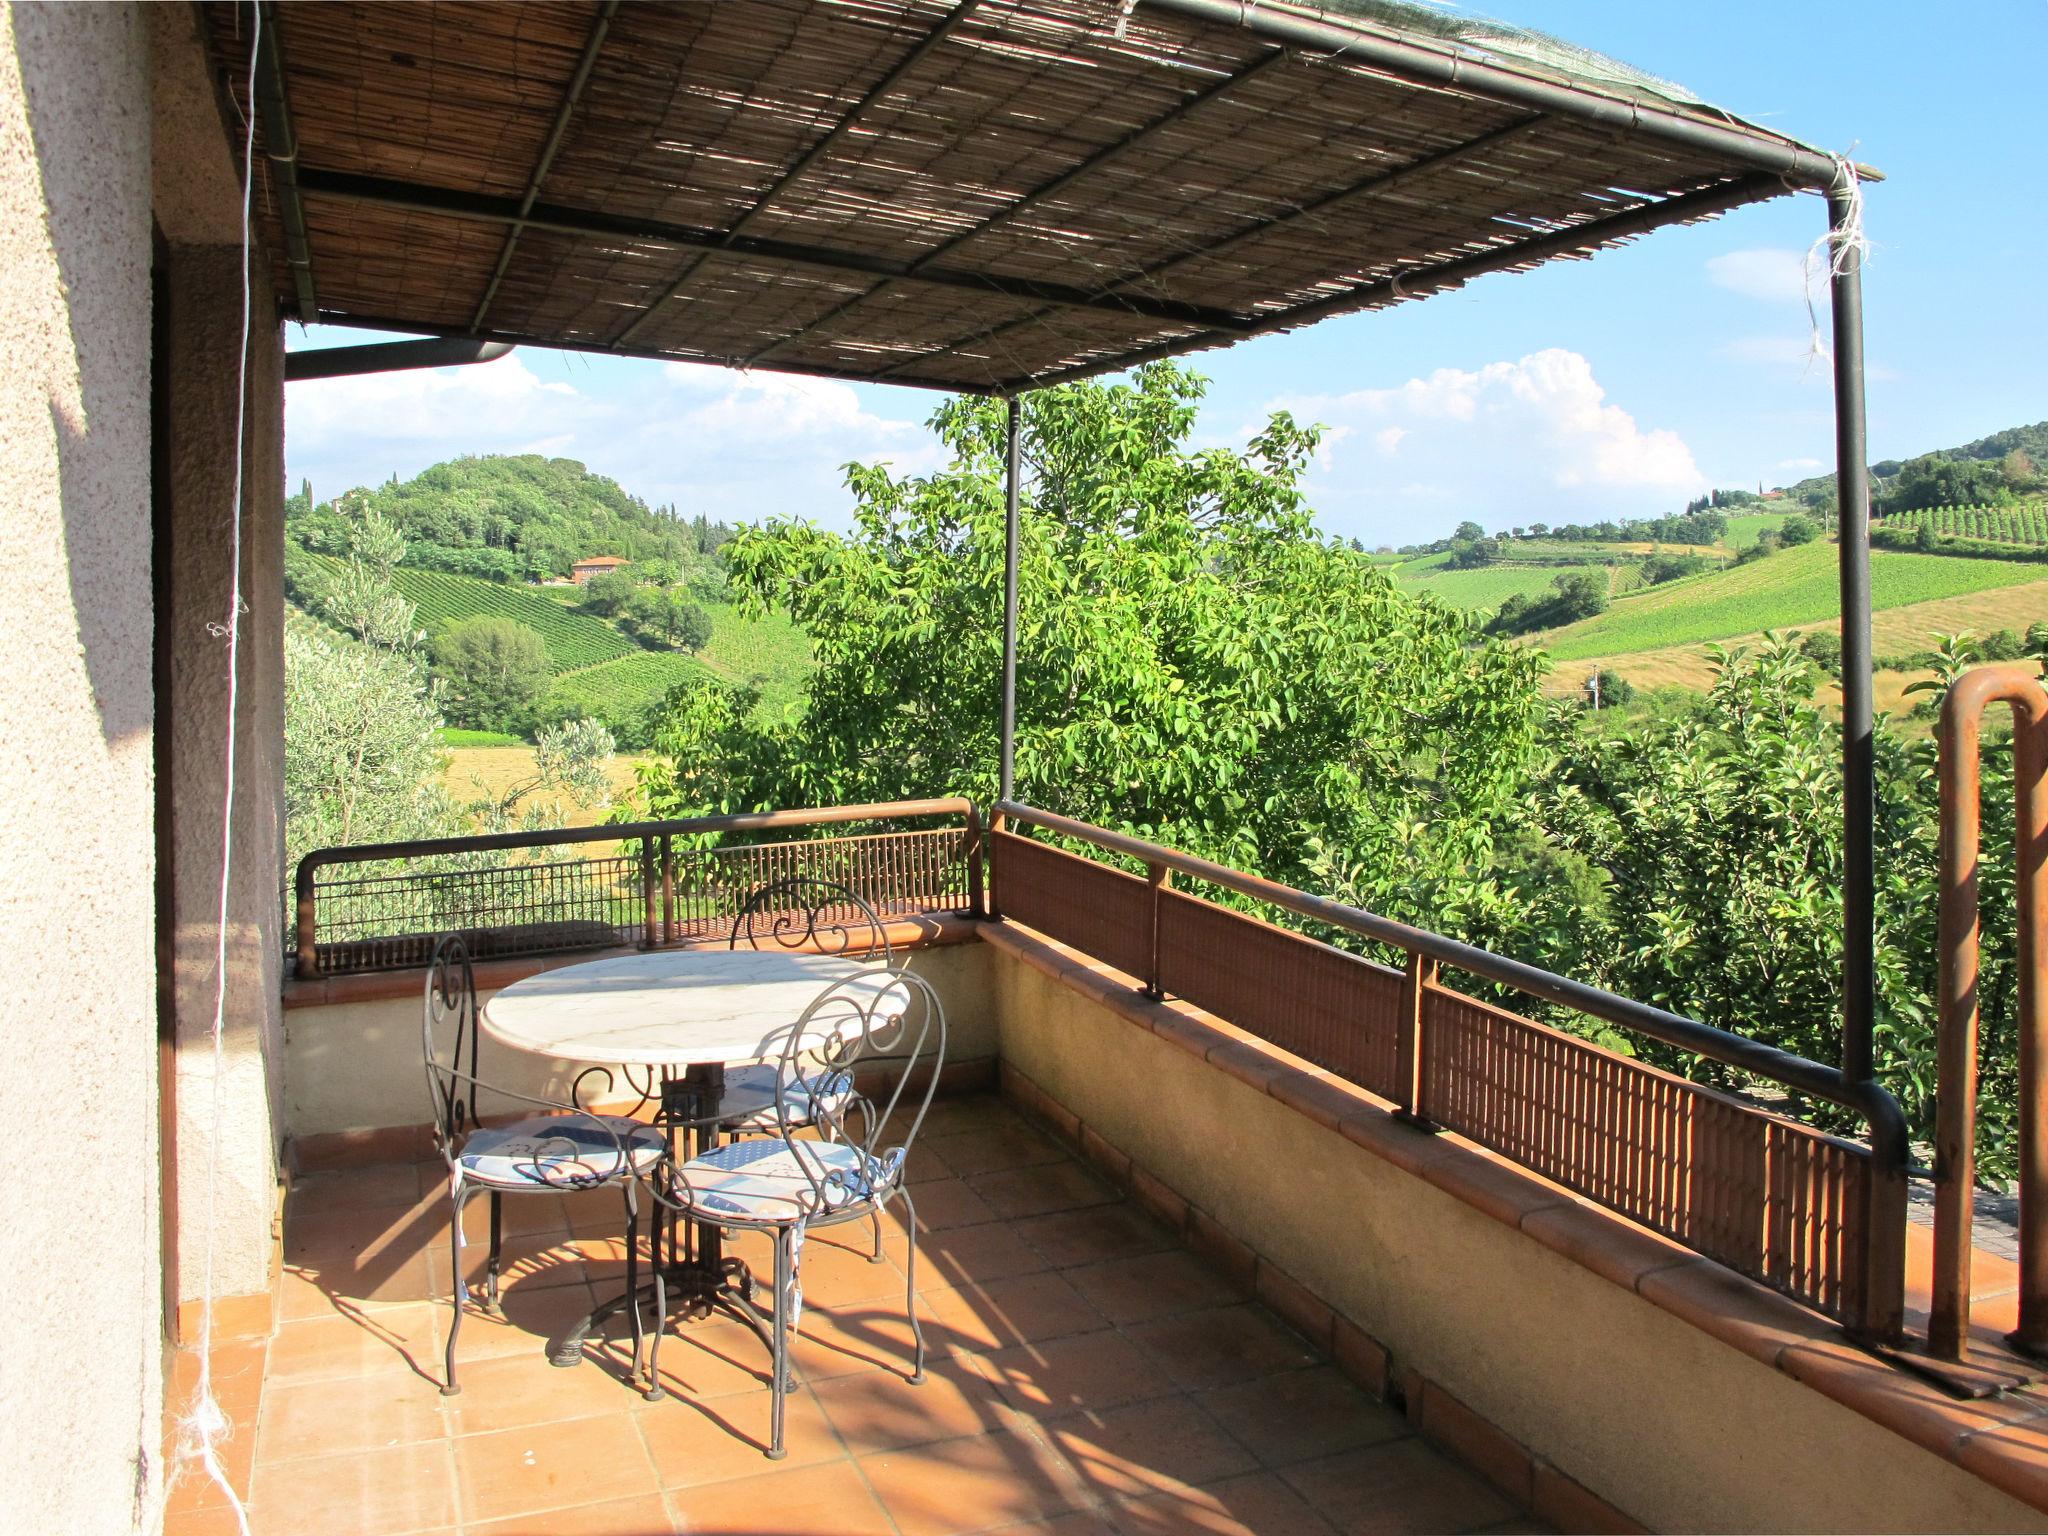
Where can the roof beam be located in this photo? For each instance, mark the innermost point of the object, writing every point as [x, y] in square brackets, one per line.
[1105, 156]
[497, 334]
[570, 96]
[1375, 186]
[1702, 204]
[810, 157]
[584, 224]
[281, 148]
[1441, 68]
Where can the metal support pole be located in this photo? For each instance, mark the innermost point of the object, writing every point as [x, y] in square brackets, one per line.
[1859, 779]
[1008, 776]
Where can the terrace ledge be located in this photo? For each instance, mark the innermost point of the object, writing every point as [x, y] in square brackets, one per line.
[2003, 1441]
[924, 931]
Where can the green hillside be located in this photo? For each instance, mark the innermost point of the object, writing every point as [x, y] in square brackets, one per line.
[572, 639]
[1795, 586]
[619, 691]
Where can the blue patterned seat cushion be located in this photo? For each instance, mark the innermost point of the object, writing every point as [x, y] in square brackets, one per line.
[750, 1097]
[764, 1181]
[558, 1151]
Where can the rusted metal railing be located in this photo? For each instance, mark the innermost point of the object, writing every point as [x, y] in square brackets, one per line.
[1955, 1158]
[1818, 1217]
[666, 891]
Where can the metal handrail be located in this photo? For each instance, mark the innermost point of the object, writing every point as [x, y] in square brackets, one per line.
[1889, 1148]
[1955, 1134]
[647, 833]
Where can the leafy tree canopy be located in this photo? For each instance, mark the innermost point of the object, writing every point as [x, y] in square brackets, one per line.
[495, 669]
[1195, 661]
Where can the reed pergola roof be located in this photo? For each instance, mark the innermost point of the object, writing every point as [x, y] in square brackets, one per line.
[981, 195]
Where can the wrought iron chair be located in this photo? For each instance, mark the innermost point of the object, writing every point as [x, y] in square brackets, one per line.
[785, 1185]
[566, 1149]
[805, 913]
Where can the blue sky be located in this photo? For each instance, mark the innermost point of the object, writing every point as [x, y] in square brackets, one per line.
[1619, 386]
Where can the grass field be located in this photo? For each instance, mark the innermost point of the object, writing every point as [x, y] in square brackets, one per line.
[1745, 528]
[1894, 632]
[455, 736]
[478, 773]
[1795, 587]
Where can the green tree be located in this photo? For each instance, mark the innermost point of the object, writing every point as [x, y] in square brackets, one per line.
[666, 616]
[495, 670]
[607, 595]
[1195, 661]
[1797, 530]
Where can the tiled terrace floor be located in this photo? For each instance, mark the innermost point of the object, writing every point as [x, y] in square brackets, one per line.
[1088, 1376]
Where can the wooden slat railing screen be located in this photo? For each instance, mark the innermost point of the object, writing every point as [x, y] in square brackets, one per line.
[1328, 1007]
[1776, 1200]
[1094, 908]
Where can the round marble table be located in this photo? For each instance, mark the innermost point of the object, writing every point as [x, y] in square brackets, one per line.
[672, 1008]
[686, 1014]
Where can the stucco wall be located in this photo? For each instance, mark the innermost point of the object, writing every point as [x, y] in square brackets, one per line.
[229, 1168]
[356, 1066]
[1676, 1428]
[80, 1409]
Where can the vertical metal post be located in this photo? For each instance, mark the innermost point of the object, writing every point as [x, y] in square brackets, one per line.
[1859, 781]
[1409, 1061]
[1008, 775]
[1158, 877]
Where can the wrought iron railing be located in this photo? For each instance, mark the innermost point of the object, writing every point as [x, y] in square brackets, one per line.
[1816, 1216]
[1955, 1137]
[374, 907]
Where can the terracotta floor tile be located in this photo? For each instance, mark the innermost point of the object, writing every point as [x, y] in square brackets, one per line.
[1093, 1234]
[392, 1491]
[1299, 1415]
[1223, 1345]
[828, 1500]
[552, 1465]
[1256, 1505]
[390, 1277]
[976, 1484]
[1149, 1285]
[974, 1256]
[381, 1184]
[709, 1360]
[950, 1116]
[878, 1411]
[1164, 1445]
[992, 1148]
[194, 1488]
[399, 1338]
[529, 1316]
[1400, 1487]
[642, 1516]
[342, 1237]
[1061, 1376]
[522, 1390]
[942, 1205]
[841, 1341]
[539, 1262]
[710, 1442]
[1038, 1191]
[317, 1418]
[925, 1164]
[983, 1318]
[1079, 1522]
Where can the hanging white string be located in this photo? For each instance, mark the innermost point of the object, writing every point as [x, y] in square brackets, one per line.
[1828, 257]
[203, 1425]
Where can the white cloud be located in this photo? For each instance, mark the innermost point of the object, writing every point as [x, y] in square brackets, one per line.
[1774, 275]
[734, 446]
[1799, 463]
[1509, 443]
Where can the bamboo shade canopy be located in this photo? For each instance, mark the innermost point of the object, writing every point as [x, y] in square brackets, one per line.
[978, 195]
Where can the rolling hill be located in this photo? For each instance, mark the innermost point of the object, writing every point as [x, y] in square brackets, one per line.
[1791, 588]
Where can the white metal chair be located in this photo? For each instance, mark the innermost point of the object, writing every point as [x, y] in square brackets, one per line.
[816, 916]
[566, 1149]
[785, 1185]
